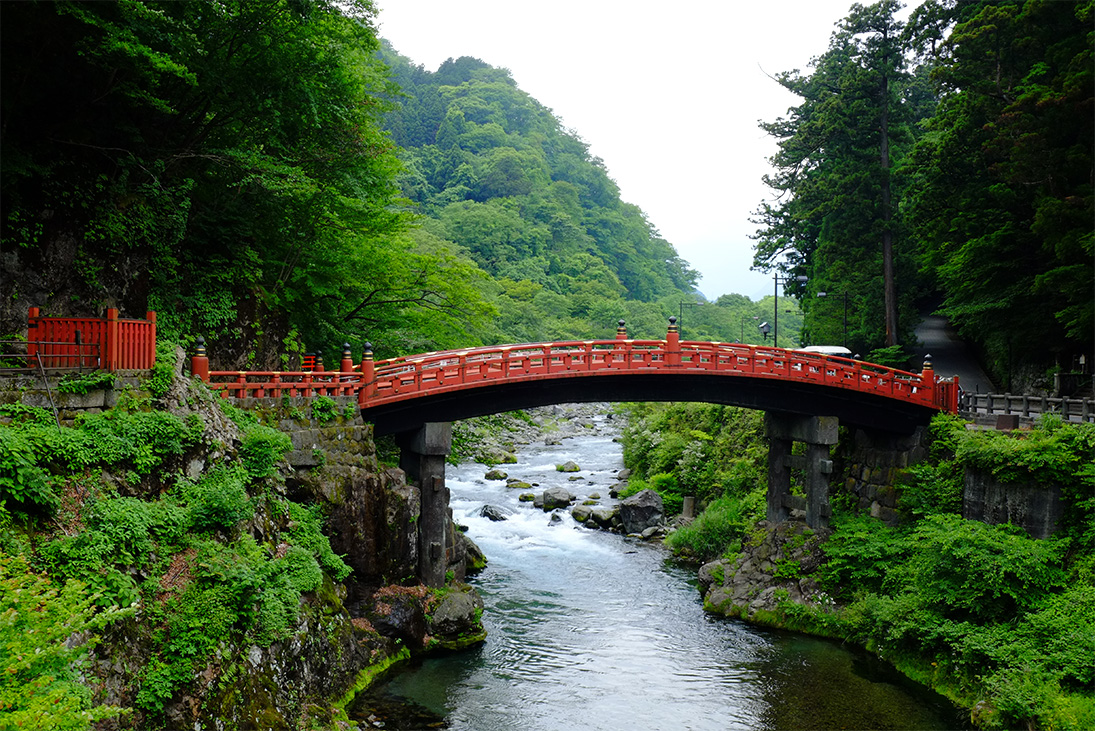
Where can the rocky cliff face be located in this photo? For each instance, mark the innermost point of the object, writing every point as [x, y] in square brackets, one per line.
[776, 565]
[343, 632]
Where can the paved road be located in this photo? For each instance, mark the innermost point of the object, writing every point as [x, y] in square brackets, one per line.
[951, 356]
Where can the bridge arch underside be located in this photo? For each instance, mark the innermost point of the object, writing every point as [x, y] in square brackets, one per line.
[850, 407]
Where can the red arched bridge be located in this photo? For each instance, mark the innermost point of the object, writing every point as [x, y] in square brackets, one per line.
[400, 394]
[415, 397]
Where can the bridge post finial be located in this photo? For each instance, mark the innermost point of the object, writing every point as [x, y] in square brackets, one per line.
[621, 330]
[927, 377]
[199, 362]
[368, 374]
[673, 344]
[346, 365]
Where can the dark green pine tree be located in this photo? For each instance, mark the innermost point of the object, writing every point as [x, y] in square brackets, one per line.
[835, 217]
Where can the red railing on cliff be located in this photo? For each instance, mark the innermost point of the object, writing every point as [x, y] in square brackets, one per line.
[378, 383]
[109, 344]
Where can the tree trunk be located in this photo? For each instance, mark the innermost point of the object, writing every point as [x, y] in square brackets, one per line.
[889, 286]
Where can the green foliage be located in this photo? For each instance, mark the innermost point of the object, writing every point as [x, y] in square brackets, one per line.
[307, 533]
[218, 501]
[22, 481]
[994, 611]
[719, 529]
[709, 450]
[261, 448]
[82, 383]
[1002, 202]
[838, 177]
[163, 371]
[239, 592]
[40, 664]
[324, 409]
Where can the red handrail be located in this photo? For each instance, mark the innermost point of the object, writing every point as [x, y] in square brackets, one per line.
[397, 379]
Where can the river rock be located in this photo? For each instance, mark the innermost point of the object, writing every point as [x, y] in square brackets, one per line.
[515, 484]
[581, 513]
[492, 512]
[749, 583]
[616, 489]
[604, 516]
[641, 511]
[526, 497]
[454, 624]
[555, 519]
[557, 497]
[568, 466]
[495, 474]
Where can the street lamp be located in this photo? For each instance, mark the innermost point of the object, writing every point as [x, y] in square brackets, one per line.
[845, 296]
[743, 318]
[775, 306]
[680, 319]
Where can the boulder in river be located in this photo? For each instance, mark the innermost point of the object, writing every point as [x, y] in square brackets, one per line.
[581, 513]
[641, 511]
[603, 516]
[557, 497]
[568, 466]
[492, 513]
[515, 484]
[495, 474]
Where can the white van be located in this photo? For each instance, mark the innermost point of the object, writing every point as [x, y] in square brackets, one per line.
[827, 350]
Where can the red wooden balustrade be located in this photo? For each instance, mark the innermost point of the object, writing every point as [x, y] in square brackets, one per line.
[109, 343]
[397, 379]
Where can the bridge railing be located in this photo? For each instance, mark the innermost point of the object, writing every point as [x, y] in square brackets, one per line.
[381, 382]
[405, 377]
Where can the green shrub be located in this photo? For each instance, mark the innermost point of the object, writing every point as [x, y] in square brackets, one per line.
[324, 409]
[218, 501]
[22, 481]
[163, 371]
[719, 529]
[982, 572]
[261, 448]
[46, 631]
[82, 383]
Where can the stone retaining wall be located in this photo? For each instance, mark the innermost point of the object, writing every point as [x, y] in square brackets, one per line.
[871, 464]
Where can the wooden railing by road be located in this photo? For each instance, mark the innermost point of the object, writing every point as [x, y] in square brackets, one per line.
[1005, 404]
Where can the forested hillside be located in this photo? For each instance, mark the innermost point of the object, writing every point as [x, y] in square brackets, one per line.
[944, 162]
[264, 175]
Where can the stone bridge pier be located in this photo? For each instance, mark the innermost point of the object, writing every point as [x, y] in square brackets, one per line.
[422, 454]
[819, 433]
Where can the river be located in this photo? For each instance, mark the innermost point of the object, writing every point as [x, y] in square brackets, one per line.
[591, 630]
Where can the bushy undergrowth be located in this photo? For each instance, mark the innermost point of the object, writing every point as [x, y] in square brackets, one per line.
[717, 531]
[182, 556]
[35, 453]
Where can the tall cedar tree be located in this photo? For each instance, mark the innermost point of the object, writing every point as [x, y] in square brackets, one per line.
[835, 217]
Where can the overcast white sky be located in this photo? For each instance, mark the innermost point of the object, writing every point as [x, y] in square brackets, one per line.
[668, 94]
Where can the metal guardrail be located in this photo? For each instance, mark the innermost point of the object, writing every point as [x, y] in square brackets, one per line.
[41, 356]
[1005, 404]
